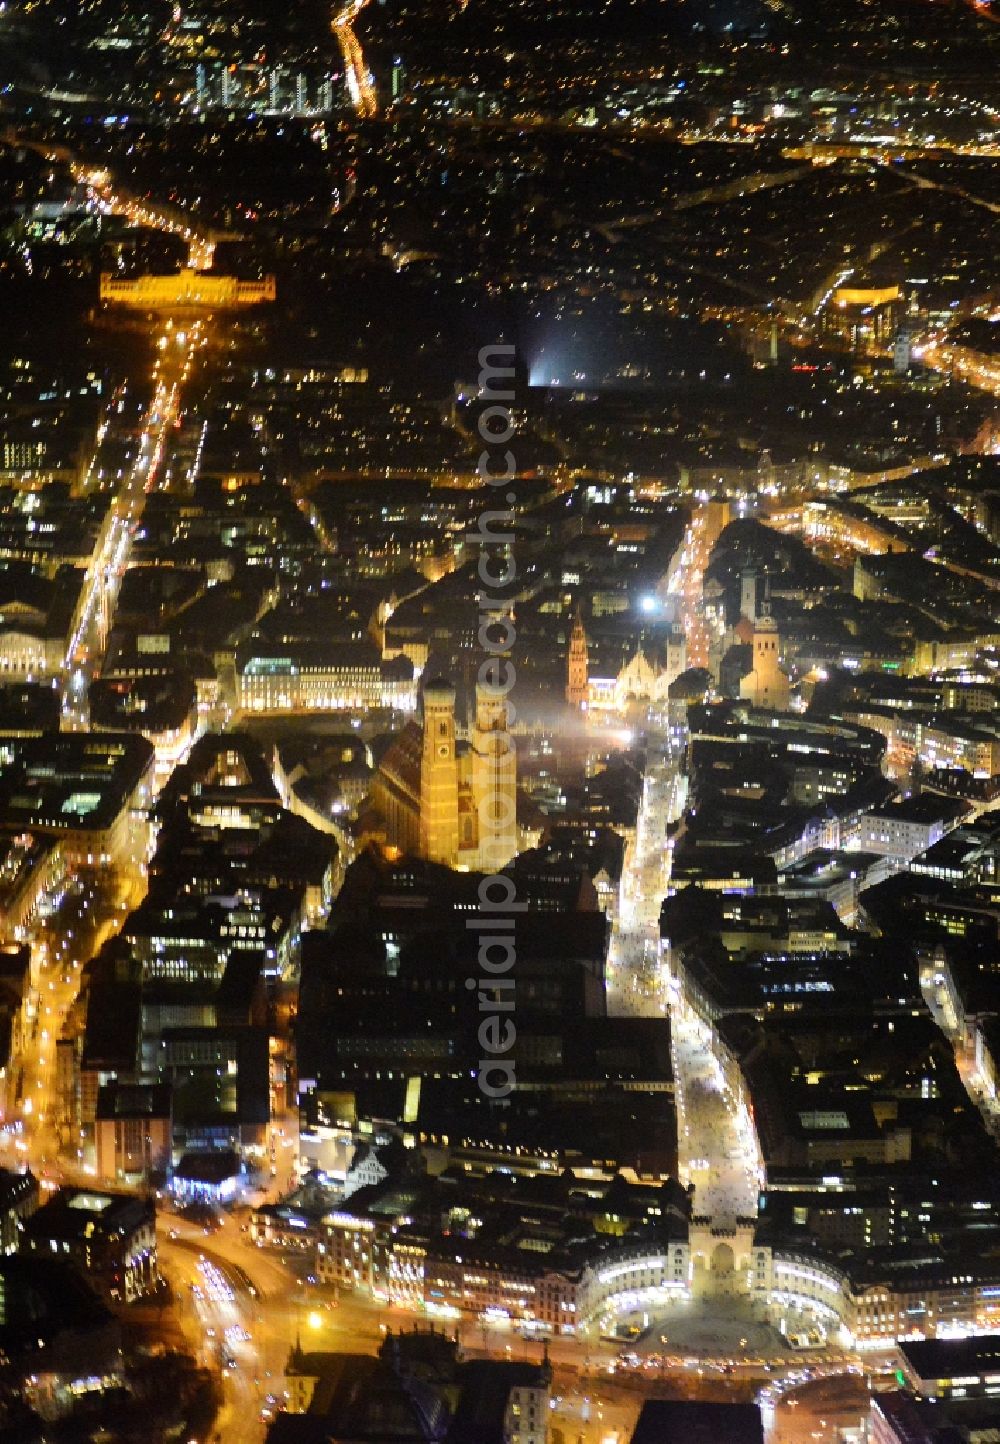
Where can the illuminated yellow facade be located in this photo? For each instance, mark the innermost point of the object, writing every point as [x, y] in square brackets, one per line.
[866, 295]
[577, 668]
[187, 288]
[450, 801]
[766, 684]
[439, 830]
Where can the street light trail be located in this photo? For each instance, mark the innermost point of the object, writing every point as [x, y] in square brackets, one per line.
[359, 80]
[114, 201]
[105, 573]
[687, 584]
[175, 351]
[360, 83]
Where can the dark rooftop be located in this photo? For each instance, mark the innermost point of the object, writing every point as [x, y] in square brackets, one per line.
[680, 1422]
[953, 1358]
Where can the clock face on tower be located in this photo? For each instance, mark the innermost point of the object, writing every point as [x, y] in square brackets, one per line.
[443, 750]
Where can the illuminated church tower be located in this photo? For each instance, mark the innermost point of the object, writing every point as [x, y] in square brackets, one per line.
[577, 665]
[494, 779]
[766, 684]
[439, 776]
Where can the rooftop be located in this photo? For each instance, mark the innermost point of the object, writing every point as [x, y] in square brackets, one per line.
[680, 1422]
[933, 1359]
[75, 1214]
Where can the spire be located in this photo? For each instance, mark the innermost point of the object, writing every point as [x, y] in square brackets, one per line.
[765, 606]
[577, 663]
